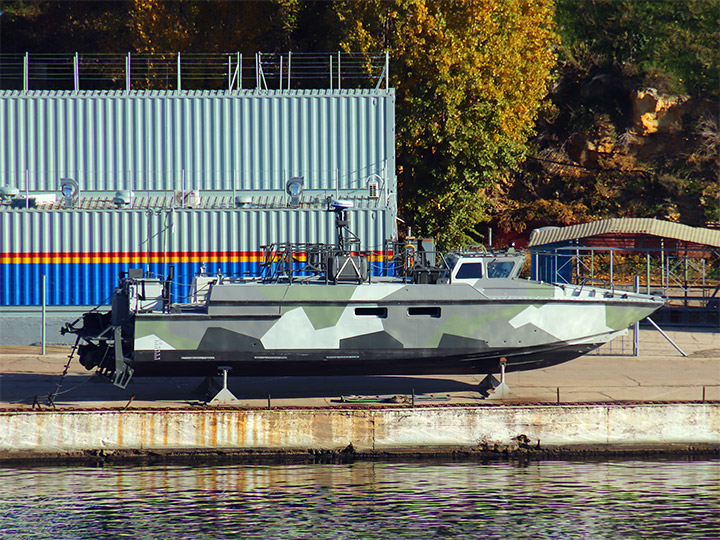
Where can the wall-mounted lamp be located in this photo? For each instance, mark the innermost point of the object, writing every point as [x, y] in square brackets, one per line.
[70, 190]
[123, 198]
[294, 188]
[8, 192]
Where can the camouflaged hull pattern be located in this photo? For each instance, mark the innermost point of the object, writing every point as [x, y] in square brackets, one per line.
[383, 328]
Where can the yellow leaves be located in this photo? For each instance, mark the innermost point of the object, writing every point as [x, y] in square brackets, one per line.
[156, 29]
[470, 77]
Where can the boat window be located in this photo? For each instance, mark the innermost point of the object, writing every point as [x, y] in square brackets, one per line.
[424, 311]
[500, 269]
[379, 312]
[469, 270]
[450, 260]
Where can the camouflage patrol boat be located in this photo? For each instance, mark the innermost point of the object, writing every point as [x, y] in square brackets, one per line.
[326, 315]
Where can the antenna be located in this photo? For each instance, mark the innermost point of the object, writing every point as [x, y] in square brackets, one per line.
[345, 237]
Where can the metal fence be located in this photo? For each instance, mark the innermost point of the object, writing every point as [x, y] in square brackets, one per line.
[193, 71]
[689, 279]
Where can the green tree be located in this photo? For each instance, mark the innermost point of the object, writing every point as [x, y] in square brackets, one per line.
[673, 46]
[589, 160]
[55, 26]
[158, 27]
[470, 77]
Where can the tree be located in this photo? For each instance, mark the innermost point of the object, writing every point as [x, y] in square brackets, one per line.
[589, 160]
[470, 78]
[158, 27]
[672, 46]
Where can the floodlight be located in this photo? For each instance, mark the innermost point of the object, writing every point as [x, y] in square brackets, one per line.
[294, 188]
[243, 200]
[123, 198]
[8, 192]
[70, 190]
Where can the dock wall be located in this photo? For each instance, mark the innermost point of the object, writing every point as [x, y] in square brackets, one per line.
[609, 426]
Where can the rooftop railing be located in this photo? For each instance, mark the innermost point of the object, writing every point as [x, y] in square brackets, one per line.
[230, 71]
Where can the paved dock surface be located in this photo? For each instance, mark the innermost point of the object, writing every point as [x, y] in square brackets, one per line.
[659, 373]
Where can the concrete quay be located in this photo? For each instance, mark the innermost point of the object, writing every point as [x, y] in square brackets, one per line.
[574, 427]
[607, 401]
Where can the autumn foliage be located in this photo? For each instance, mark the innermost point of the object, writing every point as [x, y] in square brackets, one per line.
[514, 112]
[470, 78]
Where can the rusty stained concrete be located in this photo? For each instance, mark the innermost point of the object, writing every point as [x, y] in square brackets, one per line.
[602, 425]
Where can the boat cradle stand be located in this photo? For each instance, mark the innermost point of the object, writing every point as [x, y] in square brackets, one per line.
[224, 396]
[494, 389]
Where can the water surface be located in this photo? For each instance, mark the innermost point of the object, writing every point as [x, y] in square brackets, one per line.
[537, 500]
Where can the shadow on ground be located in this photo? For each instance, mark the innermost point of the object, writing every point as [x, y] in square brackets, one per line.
[21, 388]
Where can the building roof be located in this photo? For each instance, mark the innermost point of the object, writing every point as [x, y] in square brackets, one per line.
[204, 202]
[636, 226]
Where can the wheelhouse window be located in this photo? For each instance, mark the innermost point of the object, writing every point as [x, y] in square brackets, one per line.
[470, 270]
[377, 312]
[424, 311]
[500, 269]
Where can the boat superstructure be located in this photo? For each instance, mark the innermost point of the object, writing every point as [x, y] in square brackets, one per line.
[318, 310]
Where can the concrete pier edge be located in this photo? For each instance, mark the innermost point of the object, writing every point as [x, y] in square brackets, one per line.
[339, 433]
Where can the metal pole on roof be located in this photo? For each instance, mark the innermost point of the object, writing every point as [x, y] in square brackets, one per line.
[281, 73]
[128, 61]
[179, 75]
[229, 72]
[76, 71]
[387, 70]
[339, 84]
[26, 72]
[239, 71]
[289, 66]
[647, 261]
[263, 80]
[331, 73]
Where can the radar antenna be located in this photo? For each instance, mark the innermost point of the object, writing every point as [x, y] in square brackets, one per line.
[346, 239]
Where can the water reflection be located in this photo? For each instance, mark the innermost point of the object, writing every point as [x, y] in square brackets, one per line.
[546, 499]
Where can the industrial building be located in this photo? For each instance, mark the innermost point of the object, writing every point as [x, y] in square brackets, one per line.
[96, 182]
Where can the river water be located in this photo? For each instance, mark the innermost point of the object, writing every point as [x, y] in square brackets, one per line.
[623, 499]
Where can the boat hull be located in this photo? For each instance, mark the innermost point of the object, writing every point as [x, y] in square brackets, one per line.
[370, 329]
[354, 362]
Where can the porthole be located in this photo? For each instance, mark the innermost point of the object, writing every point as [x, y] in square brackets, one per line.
[377, 312]
[424, 311]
